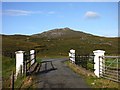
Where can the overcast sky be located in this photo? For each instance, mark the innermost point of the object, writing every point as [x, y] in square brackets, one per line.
[98, 18]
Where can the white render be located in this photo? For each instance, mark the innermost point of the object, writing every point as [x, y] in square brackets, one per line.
[98, 62]
[32, 56]
[69, 54]
[72, 55]
[19, 61]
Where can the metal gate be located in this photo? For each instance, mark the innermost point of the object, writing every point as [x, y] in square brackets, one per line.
[86, 61]
[110, 68]
[29, 61]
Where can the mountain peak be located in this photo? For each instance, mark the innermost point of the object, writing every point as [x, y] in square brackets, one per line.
[66, 28]
[61, 33]
[61, 29]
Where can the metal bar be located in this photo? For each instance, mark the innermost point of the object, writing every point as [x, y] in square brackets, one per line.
[116, 71]
[112, 62]
[111, 67]
[111, 79]
[25, 68]
[28, 61]
[112, 56]
[111, 73]
[35, 56]
[29, 64]
[21, 70]
[111, 70]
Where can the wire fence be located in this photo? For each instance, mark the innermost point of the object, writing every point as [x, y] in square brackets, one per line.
[9, 54]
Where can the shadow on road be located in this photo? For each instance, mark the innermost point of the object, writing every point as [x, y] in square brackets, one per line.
[45, 67]
[46, 71]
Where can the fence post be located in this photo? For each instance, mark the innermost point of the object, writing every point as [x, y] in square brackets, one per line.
[21, 73]
[35, 55]
[19, 61]
[12, 81]
[25, 68]
[98, 62]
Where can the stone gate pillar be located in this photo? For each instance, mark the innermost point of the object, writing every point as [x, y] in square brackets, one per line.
[98, 62]
[32, 56]
[19, 61]
[72, 55]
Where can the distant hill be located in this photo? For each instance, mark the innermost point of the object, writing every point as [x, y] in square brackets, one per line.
[58, 42]
[62, 33]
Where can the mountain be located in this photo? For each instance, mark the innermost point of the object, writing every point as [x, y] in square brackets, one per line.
[61, 33]
[58, 42]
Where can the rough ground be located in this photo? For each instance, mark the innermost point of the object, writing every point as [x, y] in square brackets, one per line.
[58, 77]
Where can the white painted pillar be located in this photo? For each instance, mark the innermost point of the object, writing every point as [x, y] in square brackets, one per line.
[32, 56]
[19, 61]
[98, 62]
[72, 55]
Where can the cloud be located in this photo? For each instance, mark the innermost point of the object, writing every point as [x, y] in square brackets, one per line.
[91, 15]
[24, 12]
[51, 12]
[19, 12]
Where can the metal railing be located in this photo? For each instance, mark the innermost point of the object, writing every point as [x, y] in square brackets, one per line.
[86, 61]
[27, 63]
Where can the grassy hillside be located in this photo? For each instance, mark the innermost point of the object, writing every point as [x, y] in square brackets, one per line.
[12, 43]
[58, 42]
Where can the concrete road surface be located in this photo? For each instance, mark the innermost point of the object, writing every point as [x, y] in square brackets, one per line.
[55, 74]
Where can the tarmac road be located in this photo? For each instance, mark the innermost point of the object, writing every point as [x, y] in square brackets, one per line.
[58, 75]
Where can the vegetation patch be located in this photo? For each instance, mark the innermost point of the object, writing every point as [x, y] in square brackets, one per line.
[8, 65]
[27, 82]
[19, 81]
[91, 79]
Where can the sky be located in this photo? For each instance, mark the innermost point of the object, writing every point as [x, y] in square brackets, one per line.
[98, 18]
[60, 0]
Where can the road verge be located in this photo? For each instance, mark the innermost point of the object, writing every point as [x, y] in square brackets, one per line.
[91, 79]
